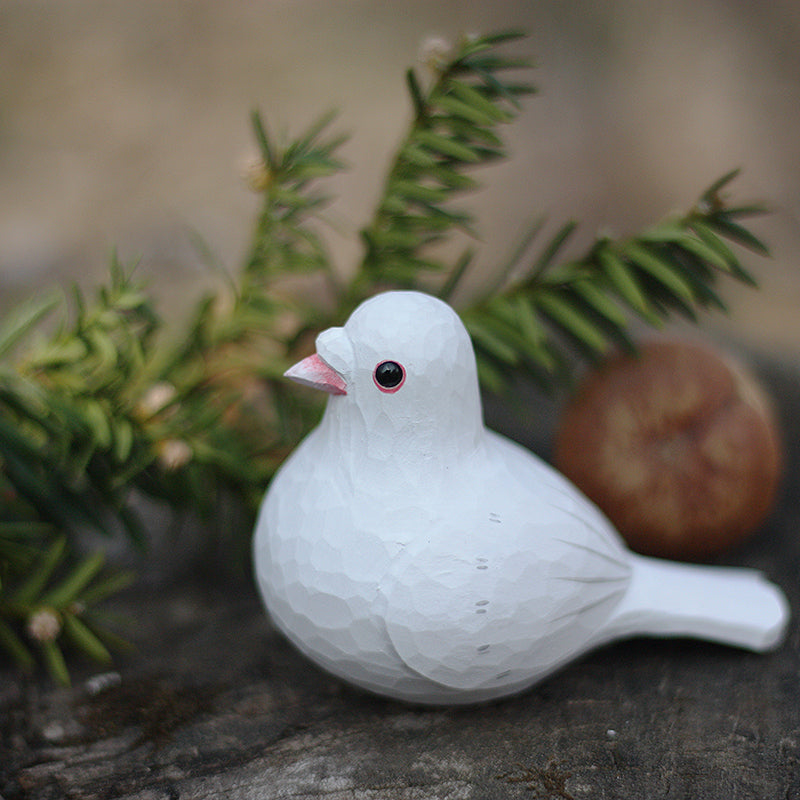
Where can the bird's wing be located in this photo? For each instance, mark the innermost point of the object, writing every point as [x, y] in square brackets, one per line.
[527, 466]
[511, 586]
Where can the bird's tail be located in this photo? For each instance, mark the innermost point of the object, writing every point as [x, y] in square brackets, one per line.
[731, 605]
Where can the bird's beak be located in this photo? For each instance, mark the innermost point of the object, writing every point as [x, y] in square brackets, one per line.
[313, 371]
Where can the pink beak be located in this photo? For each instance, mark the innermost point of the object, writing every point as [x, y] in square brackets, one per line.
[314, 372]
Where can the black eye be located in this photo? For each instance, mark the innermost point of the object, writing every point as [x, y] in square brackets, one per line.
[389, 376]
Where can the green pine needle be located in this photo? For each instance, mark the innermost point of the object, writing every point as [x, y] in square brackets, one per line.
[455, 129]
[54, 660]
[672, 266]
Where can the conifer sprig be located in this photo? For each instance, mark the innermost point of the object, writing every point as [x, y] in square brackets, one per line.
[553, 307]
[283, 243]
[67, 430]
[454, 131]
[53, 608]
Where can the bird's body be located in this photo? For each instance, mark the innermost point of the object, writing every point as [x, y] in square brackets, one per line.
[411, 551]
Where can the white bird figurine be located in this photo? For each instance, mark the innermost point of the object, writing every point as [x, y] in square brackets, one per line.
[409, 550]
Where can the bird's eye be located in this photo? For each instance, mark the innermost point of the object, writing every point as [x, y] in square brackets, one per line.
[389, 376]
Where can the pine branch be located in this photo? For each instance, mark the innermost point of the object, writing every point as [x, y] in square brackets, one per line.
[66, 426]
[51, 608]
[453, 132]
[537, 321]
[229, 406]
[283, 243]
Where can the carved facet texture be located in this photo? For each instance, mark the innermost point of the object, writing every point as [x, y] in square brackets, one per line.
[409, 550]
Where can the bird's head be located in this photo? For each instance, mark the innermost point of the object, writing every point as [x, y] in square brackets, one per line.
[401, 373]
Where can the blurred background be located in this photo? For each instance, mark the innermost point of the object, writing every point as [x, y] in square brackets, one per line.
[125, 124]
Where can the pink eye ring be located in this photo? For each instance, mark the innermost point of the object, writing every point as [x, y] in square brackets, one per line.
[389, 376]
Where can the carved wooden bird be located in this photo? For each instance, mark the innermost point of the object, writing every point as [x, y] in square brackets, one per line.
[409, 550]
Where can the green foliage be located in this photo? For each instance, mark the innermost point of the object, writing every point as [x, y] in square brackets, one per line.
[454, 130]
[283, 243]
[536, 321]
[67, 434]
[101, 405]
[55, 607]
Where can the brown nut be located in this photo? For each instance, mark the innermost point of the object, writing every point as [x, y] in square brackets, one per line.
[678, 446]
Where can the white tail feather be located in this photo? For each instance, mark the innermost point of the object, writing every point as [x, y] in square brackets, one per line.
[730, 605]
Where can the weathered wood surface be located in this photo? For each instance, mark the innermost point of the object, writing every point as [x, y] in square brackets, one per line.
[216, 705]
